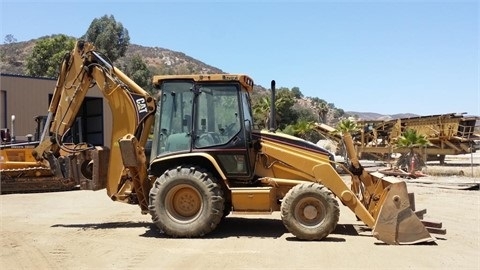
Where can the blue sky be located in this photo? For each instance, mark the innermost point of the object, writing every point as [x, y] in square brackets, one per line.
[372, 56]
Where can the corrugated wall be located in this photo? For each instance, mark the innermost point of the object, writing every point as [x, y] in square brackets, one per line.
[27, 97]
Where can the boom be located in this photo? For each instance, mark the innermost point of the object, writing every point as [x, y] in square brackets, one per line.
[132, 108]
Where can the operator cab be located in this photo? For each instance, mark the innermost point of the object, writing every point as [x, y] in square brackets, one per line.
[205, 114]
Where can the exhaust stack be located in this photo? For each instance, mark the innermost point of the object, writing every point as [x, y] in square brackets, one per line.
[271, 125]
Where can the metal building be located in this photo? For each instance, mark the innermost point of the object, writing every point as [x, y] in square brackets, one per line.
[26, 97]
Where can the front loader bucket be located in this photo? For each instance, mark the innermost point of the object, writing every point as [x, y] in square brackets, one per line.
[388, 203]
[396, 222]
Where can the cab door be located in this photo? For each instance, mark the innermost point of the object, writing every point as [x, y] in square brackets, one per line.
[220, 128]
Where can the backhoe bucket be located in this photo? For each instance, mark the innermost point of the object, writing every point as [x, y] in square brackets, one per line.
[396, 222]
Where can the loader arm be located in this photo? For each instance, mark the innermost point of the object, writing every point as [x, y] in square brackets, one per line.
[288, 161]
[132, 108]
[383, 204]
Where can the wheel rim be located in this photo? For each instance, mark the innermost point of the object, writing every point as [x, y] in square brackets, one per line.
[183, 203]
[310, 212]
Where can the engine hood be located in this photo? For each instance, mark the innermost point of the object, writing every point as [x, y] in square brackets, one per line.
[292, 141]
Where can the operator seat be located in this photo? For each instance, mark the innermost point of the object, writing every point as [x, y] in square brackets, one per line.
[177, 142]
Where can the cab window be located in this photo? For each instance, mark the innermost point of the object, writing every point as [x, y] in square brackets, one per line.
[218, 115]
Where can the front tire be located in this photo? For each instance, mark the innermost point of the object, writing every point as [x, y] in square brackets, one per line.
[309, 211]
[186, 202]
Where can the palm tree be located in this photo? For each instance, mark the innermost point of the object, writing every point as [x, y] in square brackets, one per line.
[411, 160]
[261, 111]
[345, 128]
[322, 112]
[302, 128]
[321, 107]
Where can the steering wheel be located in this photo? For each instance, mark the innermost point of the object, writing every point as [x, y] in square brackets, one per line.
[211, 137]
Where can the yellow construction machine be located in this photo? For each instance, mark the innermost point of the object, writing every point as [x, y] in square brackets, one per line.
[207, 160]
[20, 172]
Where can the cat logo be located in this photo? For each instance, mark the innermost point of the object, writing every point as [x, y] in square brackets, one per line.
[141, 105]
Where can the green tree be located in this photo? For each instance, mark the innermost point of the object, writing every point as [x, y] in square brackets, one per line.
[284, 107]
[47, 55]
[304, 113]
[303, 129]
[339, 113]
[261, 111]
[8, 53]
[296, 92]
[9, 39]
[284, 113]
[138, 71]
[108, 36]
[411, 161]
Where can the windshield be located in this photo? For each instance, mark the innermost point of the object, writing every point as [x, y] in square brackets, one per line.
[174, 118]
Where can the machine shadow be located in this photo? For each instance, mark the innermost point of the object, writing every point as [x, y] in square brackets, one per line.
[104, 226]
[229, 227]
[257, 228]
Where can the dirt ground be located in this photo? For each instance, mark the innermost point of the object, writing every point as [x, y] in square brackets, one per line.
[86, 230]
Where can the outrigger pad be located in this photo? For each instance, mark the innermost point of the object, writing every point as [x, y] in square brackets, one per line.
[396, 223]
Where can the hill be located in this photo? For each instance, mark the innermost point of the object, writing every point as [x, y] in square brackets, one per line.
[159, 61]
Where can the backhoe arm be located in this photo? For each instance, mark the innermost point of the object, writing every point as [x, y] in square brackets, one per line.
[132, 108]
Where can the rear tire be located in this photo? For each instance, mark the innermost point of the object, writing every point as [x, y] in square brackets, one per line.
[309, 211]
[186, 202]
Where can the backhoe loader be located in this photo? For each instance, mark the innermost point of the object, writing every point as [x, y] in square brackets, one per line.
[207, 160]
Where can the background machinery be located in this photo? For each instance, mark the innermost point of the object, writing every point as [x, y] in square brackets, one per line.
[207, 160]
[448, 134]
